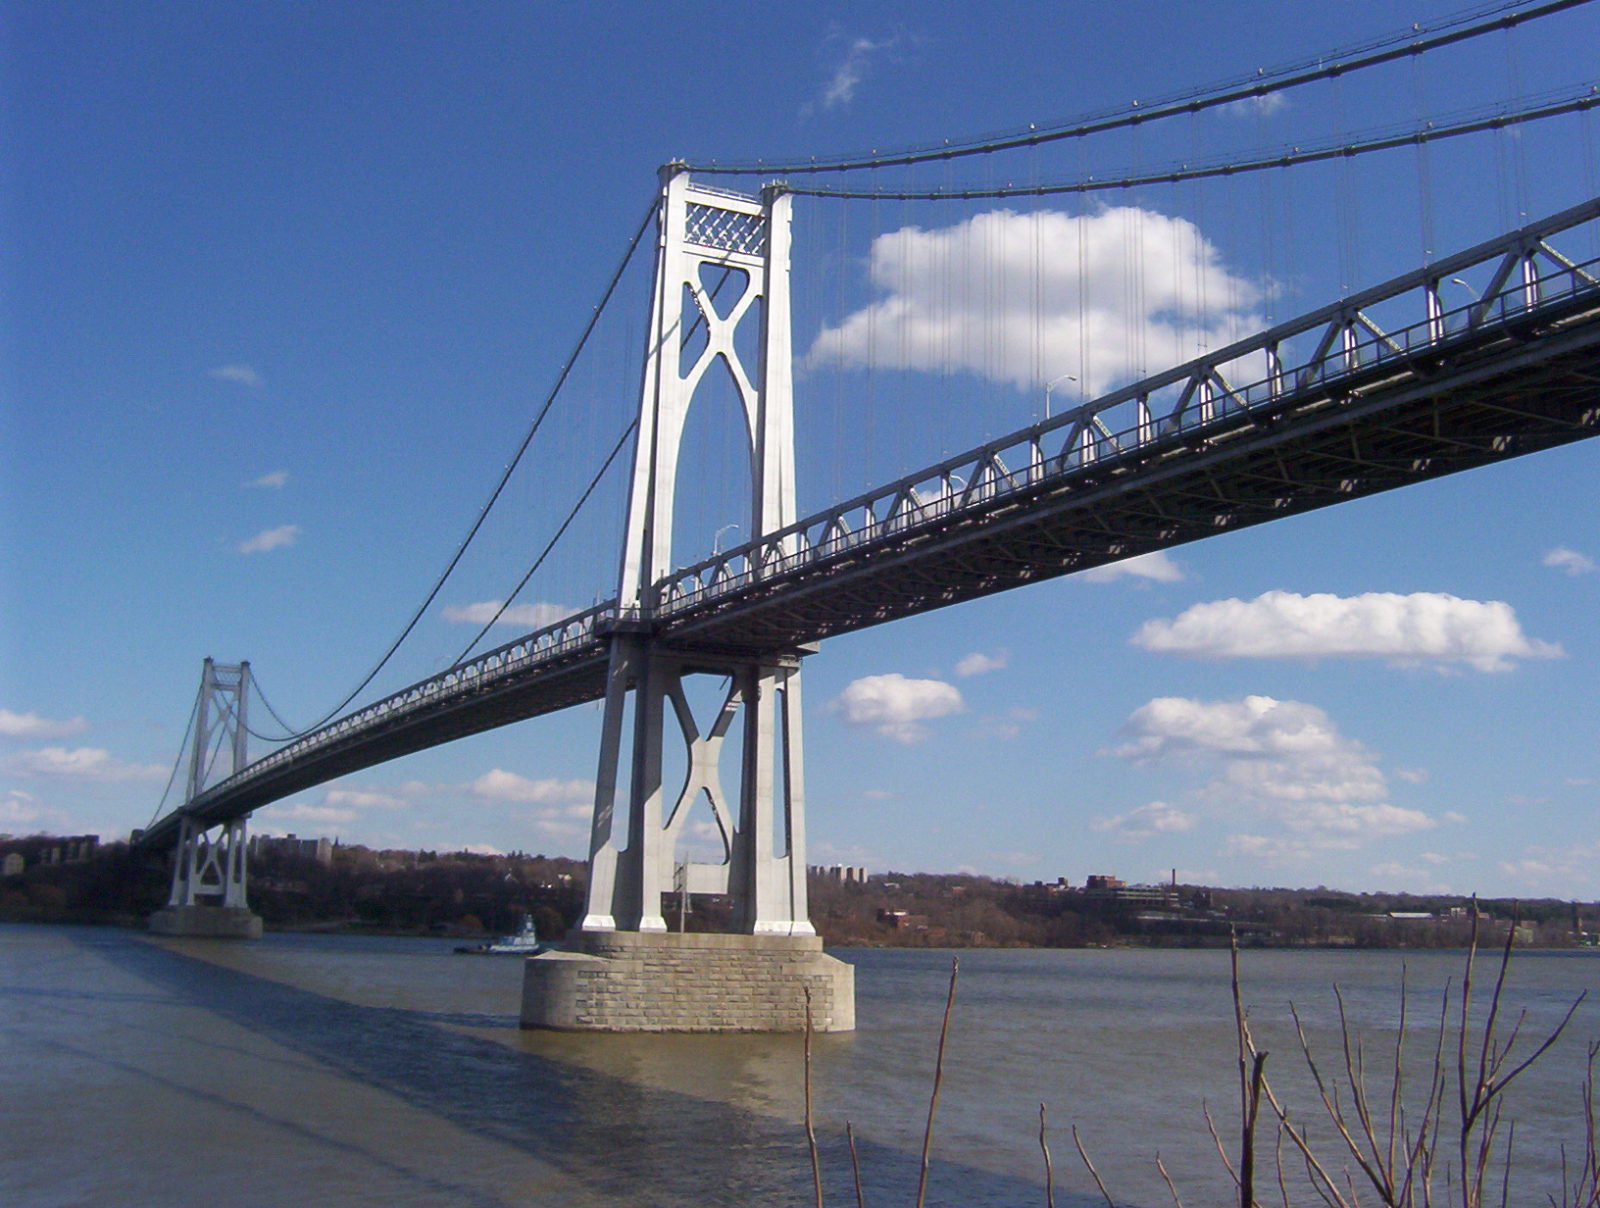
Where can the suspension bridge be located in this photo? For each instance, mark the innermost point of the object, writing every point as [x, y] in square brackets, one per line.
[1420, 376]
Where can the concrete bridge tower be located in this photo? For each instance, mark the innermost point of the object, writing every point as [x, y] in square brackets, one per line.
[208, 870]
[722, 274]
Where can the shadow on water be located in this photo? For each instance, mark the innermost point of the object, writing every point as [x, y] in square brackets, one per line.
[641, 1145]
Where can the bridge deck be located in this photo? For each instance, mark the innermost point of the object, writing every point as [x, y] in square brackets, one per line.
[1368, 411]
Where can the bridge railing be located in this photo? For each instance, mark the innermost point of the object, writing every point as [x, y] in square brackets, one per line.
[1391, 325]
[527, 652]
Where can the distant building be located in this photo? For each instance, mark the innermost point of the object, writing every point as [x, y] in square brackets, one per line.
[845, 874]
[1105, 890]
[320, 850]
[902, 920]
[12, 865]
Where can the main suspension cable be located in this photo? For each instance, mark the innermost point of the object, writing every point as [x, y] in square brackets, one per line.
[1554, 106]
[1263, 83]
[551, 544]
[494, 496]
[177, 763]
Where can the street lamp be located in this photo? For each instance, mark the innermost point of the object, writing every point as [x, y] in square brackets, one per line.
[716, 541]
[1051, 385]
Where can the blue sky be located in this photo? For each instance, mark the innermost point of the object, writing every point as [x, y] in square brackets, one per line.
[283, 285]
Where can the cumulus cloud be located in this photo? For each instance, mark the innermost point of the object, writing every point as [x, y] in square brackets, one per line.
[1286, 760]
[1155, 566]
[1027, 297]
[978, 663]
[244, 375]
[31, 725]
[501, 785]
[1421, 627]
[89, 764]
[1569, 560]
[269, 539]
[273, 480]
[896, 707]
[1157, 818]
[526, 616]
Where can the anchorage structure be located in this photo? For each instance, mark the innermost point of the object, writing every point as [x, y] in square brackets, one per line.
[722, 276]
[208, 871]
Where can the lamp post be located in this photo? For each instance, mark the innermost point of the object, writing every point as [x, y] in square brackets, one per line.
[716, 541]
[1051, 385]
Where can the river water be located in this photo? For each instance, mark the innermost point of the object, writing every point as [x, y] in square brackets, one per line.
[332, 1071]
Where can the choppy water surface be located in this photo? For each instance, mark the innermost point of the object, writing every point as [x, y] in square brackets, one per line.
[349, 1071]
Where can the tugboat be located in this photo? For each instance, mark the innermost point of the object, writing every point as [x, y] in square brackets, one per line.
[524, 943]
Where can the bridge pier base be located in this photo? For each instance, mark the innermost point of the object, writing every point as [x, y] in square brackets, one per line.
[638, 981]
[207, 922]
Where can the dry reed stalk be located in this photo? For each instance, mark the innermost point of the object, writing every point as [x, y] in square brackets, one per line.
[1171, 1187]
[1049, 1170]
[938, 1078]
[1252, 1065]
[1088, 1165]
[855, 1164]
[811, 1131]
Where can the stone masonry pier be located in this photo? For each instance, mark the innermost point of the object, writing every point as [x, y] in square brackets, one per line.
[629, 981]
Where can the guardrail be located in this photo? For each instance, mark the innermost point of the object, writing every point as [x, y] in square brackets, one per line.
[1181, 407]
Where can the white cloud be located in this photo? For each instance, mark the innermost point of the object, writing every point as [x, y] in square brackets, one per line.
[482, 849]
[1412, 775]
[1285, 760]
[527, 616]
[1569, 560]
[1009, 725]
[1256, 106]
[275, 479]
[301, 811]
[1554, 871]
[1421, 627]
[1155, 566]
[980, 664]
[363, 799]
[31, 725]
[1157, 818]
[851, 71]
[1026, 297]
[80, 763]
[501, 785]
[244, 375]
[18, 809]
[896, 706]
[269, 539]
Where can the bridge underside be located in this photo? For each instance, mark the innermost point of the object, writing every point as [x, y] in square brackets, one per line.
[1428, 418]
[576, 679]
[1488, 396]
